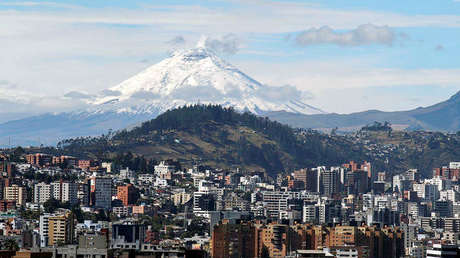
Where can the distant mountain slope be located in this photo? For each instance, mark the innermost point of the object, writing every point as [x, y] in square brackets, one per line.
[444, 116]
[222, 138]
[48, 129]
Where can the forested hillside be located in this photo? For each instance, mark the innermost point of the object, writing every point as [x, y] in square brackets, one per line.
[221, 137]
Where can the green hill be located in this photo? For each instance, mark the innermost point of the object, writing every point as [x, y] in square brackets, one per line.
[222, 138]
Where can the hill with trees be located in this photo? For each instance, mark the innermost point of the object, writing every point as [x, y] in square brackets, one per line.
[219, 137]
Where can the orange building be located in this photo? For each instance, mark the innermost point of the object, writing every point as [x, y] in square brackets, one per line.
[274, 238]
[7, 169]
[92, 165]
[39, 159]
[127, 194]
[277, 240]
[141, 209]
[234, 240]
[365, 166]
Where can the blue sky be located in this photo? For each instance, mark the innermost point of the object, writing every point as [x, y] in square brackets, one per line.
[349, 55]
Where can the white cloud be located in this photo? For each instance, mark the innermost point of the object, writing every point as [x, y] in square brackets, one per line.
[145, 95]
[177, 40]
[227, 44]
[110, 93]
[77, 95]
[365, 34]
[283, 93]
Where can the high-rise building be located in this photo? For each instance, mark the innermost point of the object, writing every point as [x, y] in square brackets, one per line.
[357, 182]
[42, 192]
[101, 191]
[329, 182]
[69, 192]
[203, 202]
[128, 236]
[310, 213]
[444, 208]
[275, 202]
[233, 240]
[301, 175]
[61, 191]
[410, 235]
[84, 193]
[88, 164]
[365, 166]
[164, 170]
[313, 181]
[343, 236]
[61, 229]
[44, 229]
[275, 238]
[7, 169]
[16, 193]
[127, 194]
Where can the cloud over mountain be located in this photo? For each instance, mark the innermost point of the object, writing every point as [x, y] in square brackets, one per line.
[365, 34]
[227, 44]
[77, 95]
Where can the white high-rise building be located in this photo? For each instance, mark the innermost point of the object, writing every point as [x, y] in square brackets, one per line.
[310, 212]
[61, 191]
[44, 230]
[56, 189]
[164, 170]
[69, 192]
[42, 192]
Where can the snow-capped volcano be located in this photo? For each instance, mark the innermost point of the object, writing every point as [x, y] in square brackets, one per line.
[193, 76]
[186, 77]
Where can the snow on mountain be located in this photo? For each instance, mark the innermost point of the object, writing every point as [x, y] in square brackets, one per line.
[197, 76]
[187, 77]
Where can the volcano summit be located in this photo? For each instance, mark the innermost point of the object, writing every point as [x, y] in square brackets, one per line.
[187, 77]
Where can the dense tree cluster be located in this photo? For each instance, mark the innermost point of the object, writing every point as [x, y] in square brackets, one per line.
[307, 149]
[279, 147]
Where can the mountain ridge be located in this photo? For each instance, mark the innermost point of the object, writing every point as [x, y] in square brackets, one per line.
[443, 116]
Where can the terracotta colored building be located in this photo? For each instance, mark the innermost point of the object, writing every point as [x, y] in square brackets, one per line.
[39, 159]
[127, 194]
[234, 240]
[365, 166]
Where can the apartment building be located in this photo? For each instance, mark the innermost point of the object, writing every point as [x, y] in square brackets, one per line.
[16, 193]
